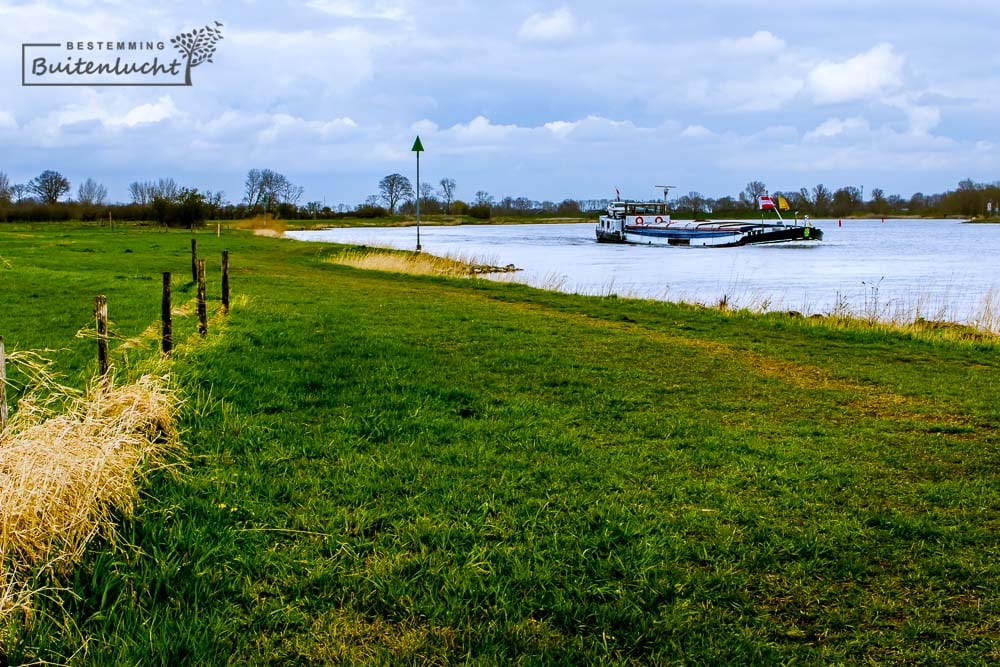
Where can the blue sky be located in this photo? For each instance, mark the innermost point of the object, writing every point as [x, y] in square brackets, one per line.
[548, 100]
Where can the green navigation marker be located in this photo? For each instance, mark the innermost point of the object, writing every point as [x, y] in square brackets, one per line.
[417, 147]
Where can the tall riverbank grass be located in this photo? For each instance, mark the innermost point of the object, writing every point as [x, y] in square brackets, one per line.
[389, 468]
[401, 261]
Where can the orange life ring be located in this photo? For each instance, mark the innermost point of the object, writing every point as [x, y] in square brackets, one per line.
[638, 220]
[659, 219]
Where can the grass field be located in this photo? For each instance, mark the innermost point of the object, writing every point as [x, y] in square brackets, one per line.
[394, 469]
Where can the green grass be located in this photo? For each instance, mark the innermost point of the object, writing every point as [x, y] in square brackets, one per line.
[388, 469]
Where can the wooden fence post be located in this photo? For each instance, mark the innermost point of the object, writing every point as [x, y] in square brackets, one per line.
[101, 312]
[3, 386]
[168, 330]
[194, 261]
[202, 306]
[225, 281]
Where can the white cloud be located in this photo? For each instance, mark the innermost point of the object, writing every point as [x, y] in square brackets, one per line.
[480, 129]
[874, 72]
[145, 113]
[284, 127]
[560, 128]
[556, 26]
[95, 116]
[7, 120]
[761, 42]
[696, 132]
[762, 93]
[424, 126]
[922, 118]
[834, 127]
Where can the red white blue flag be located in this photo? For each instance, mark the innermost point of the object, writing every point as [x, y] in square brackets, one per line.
[766, 203]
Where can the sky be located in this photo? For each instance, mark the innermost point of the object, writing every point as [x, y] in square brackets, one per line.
[546, 100]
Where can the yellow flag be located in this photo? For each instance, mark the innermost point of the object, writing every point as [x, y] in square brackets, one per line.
[783, 204]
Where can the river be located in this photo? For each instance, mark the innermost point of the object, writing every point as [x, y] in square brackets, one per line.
[894, 270]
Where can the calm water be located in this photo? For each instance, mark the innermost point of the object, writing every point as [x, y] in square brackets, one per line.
[938, 269]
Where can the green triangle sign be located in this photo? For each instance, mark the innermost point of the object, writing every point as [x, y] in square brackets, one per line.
[417, 146]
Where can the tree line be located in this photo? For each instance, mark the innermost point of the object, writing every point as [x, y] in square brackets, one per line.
[267, 192]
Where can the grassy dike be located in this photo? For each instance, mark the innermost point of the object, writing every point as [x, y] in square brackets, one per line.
[392, 469]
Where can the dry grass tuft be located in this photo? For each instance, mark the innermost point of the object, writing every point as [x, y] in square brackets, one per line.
[265, 225]
[397, 261]
[67, 477]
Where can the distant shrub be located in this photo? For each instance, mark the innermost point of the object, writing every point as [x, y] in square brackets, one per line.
[568, 207]
[370, 211]
[187, 209]
[480, 211]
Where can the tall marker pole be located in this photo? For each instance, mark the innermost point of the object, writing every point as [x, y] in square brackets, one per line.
[417, 148]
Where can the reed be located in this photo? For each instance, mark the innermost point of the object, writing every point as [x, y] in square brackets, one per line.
[262, 225]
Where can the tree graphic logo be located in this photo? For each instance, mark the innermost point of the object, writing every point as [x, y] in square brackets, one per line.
[197, 46]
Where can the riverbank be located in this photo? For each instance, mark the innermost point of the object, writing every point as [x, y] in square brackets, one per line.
[389, 468]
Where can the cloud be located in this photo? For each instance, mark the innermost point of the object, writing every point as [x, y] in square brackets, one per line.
[875, 72]
[761, 93]
[836, 126]
[696, 132]
[922, 118]
[761, 42]
[481, 130]
[359, 10]
[424, 126]
[7, 120]
[145, 113]
[556, 26]
[286, 127]
[94, 118]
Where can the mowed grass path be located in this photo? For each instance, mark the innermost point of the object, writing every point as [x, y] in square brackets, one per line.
[390, 469]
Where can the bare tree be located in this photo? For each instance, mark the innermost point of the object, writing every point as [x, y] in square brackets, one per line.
[165, 188]
[213, 202]
[821, 200]
[91, 193]
[484, 198]
[140, 192]
[5, 188]
[254, 188]
[290, 194]
[448, 192]
[49, 186]
[269, 188]
[395, 188]
[878, 204]
[18, 191]
[197, 46]
[696, 201]
[426, 191]
[144, 193]
[751, 194]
